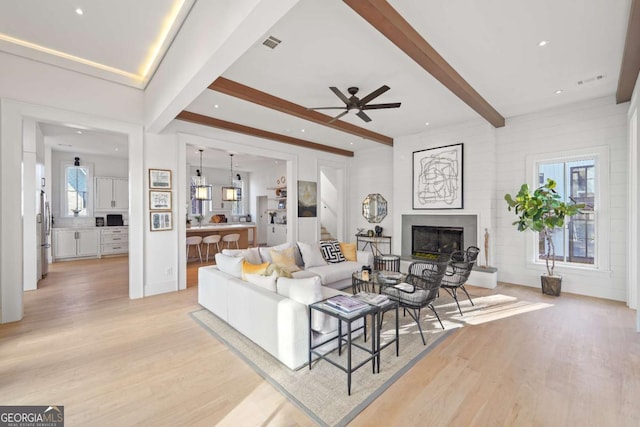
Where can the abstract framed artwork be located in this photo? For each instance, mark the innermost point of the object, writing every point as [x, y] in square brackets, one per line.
[307, 199]
[160, 179]
[159, 200]
[437, 178]
[161, 221]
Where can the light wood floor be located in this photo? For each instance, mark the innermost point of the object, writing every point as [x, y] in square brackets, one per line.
[114, 361]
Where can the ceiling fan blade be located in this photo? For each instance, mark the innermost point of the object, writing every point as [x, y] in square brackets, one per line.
[338, 116]
[340, 95]
[326, 108]
[376, 93]
[363, 116]
[380, 106]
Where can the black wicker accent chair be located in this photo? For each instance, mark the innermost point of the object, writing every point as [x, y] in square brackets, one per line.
[458, 272]
[419, 289]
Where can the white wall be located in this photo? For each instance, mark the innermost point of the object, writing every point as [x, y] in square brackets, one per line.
[371, 171]
[584, 125]
[161, 255]
[479, 168]
[633, 126]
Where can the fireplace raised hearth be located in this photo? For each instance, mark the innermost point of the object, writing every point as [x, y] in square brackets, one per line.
[427, 241]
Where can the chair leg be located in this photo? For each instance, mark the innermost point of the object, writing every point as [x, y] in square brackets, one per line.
[465, 291]
[238, 247]
[199, 253]
[416, 317]
[454, 295]
[207, 252]
[436, 313]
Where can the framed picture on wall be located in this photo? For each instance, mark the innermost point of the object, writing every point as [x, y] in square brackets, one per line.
[161, 221]
[160, 178]
[159, 200]
[437, 178]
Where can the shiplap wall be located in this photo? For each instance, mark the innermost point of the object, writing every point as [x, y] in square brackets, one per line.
[585, 125]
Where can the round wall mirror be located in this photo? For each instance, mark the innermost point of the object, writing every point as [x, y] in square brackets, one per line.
[374, 208]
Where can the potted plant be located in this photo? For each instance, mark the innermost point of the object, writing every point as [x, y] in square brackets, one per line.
[543, 211]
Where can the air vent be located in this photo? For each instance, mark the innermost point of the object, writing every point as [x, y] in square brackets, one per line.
[592, 79]
[271, 42]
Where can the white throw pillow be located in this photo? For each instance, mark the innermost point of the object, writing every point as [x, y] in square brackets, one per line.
[230, 264]
[267, 282]
[252, 255]
[311, 255]
[264, 251]
[307, 291]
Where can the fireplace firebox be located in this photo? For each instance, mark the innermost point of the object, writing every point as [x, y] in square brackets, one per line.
[427, 241]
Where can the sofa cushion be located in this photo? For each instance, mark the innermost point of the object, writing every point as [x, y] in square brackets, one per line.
[349, 251]
[284, 259]
[230, 264]
[335, 272]
[249, 268]
[264, 251]
[311, 255]
[252, 254]
[307, 291]
[267, 282]
[331, 251]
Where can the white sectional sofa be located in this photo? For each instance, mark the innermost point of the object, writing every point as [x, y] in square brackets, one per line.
[278, 321]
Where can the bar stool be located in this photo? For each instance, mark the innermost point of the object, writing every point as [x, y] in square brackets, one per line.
[231, 238]
[194, 241]
[209, 240]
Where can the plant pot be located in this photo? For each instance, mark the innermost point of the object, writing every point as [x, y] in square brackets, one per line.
[551, 285]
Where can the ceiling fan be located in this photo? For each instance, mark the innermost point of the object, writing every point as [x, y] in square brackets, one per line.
[357, 105]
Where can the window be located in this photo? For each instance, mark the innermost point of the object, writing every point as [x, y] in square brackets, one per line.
[576, 242]
[76, 196]
[237, 208]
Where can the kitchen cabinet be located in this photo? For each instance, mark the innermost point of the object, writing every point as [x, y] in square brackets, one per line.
[112, 194]
[114, 241]
[276, 234]
[75, 243]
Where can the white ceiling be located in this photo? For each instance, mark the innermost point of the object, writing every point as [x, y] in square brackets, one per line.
[492, 44]
[80, 140]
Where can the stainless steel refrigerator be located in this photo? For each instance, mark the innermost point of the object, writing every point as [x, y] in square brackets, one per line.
[44, 217]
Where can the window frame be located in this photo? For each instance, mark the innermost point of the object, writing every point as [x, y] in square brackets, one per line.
[602, 223]
[64, 201]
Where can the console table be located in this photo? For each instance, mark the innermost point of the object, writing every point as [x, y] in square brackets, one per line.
[373, 243]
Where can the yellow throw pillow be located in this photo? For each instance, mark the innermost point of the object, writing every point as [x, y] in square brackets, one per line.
[349, 251]
[284, 259]
[248, 268]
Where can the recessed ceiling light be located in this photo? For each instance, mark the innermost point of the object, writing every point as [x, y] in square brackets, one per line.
[216, 106]
[542, 43]
[302, 130]
[117, 149]
[351, 143]
[559, 91]
[426, 124]
[79, 11]
[78, 131]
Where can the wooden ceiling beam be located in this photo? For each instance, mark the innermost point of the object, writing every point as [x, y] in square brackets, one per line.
[631, 57]
[383, 17]
[200, 119]
[238, 90]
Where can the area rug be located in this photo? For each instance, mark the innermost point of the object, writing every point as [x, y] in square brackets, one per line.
[322, 391]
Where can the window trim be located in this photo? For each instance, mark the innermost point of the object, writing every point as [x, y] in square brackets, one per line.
[63, 190]
[600, 154]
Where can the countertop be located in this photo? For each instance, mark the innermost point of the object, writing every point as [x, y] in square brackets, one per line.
[222, 226]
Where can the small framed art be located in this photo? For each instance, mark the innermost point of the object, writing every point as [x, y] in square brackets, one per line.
[159, 200]
[161, 221]
[159, 179]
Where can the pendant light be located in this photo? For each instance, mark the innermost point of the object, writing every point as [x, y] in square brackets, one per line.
[230, 193]
[203, 192]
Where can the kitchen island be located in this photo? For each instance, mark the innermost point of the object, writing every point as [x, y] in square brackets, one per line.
[247, 232]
